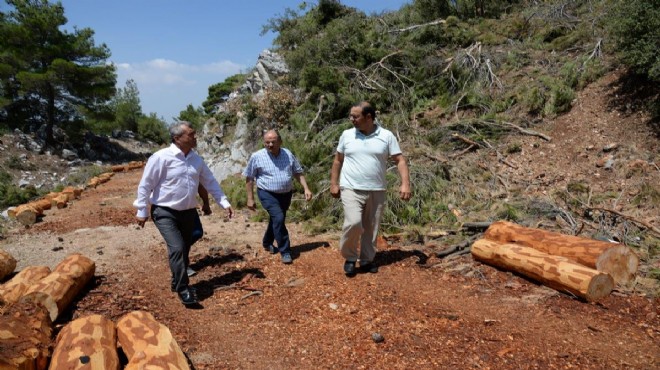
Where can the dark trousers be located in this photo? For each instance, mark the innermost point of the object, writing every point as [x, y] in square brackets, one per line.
[198, 230]
[276, 204]
[176, 227]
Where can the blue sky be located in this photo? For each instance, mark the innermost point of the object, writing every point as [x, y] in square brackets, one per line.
[174, 50]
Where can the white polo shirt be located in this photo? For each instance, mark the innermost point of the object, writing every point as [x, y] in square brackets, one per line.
[365, 158]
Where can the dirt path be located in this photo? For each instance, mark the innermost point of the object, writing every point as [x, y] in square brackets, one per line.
[431, 313]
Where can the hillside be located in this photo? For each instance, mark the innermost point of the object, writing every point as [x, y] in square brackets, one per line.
[432, 312]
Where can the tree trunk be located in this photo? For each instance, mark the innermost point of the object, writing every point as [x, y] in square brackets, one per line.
[11, 291]
[25, 333]
[86, 343]
[557, 272]
[613, 258]
[57, 290]
[147, 343]
[7, 264]
[60, 201]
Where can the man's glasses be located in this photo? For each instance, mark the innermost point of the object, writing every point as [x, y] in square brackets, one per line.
[354, 116]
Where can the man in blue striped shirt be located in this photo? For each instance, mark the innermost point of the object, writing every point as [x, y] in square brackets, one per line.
[273, 168]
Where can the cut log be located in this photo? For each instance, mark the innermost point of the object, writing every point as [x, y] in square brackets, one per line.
[93, 182]
[41, 205]
[60, 200]
[7, 264]
[613, 258]
[25, 337]
[70, 190]
[148, 343]
[13, 290]
[57, 290]
[27, 214]
[556, 272]
[86, 343]
[119, 168]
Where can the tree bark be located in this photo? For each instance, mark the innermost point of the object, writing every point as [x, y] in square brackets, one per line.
[556, 272]
[57, 290]
[13, 290]
[148, 343]
[7, 264]
[613, 258]
[25, 337]
[86, 343]
[60, 201]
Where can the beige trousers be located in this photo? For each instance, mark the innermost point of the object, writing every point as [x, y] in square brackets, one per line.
[362, 213]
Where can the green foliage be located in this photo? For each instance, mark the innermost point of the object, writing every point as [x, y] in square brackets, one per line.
[635, 25]
[11, 195]
[48, 75]
[195, 116]
[153, 128]
[14, 162]
[220, 92]
[127, 107]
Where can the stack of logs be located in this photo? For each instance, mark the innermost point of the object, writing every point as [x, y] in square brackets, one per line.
[586, 268]
[28, 213]
[36, 296]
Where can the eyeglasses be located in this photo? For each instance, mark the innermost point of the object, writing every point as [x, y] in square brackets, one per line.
[354, 116]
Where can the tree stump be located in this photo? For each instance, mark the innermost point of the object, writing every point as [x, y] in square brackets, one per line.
[25, 333]
[13, 290]
[87, 343]
[148, 344]
[57, 290]
[7, 264]
[613, 258]
[559, 273]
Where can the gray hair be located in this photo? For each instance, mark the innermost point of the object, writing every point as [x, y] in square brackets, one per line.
[177, 129]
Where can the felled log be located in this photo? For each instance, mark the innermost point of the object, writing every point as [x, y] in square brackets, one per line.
[86, 343]
[613, 258]
[7, 264]
[105, 177]
[41, 204]
[27, 213]
[93, 182]
[60, 201]
[57, 290]
[148, 343]
[12, 290]
[556, 272]
[119, 168]
[25, 333]
[70, 190]
[133, 165]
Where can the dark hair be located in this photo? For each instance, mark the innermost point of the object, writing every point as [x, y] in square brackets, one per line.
[367, 109]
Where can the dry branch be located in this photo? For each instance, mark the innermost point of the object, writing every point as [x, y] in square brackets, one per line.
[415, 26]
[652, 228]
[526, 131]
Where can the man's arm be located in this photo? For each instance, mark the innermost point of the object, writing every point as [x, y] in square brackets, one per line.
[301, 179]
[204, 194]
[404, 190]
[249, 188]
[337, 164]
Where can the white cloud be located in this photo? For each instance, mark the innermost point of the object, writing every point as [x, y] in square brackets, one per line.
[167, 87]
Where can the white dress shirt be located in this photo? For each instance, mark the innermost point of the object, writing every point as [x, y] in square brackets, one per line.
[171, 179]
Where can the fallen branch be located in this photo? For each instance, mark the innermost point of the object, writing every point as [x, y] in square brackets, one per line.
[318, 114]
[256, 292]
[526, 131]
[433, 23]
[652, 228]
[457, 249]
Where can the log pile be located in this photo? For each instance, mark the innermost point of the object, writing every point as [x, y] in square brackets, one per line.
[586, 268]
[29, 213]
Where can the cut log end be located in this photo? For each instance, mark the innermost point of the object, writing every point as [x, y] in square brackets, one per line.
[600, 287]
[620, 262]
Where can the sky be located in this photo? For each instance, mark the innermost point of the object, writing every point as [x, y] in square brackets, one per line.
[174, 49]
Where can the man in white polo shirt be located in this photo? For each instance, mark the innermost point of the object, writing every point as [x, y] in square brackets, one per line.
[358, 177]
[274, 168]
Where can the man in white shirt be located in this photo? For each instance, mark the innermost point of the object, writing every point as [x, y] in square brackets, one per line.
[170, 184]
[358, 177]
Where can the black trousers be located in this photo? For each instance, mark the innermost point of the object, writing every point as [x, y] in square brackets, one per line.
[176, 227]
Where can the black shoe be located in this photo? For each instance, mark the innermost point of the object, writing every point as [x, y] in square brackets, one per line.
[349, 268]
[369, 267]
[188, 297]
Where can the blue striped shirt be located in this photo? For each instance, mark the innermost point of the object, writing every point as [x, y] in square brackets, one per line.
[274, 174]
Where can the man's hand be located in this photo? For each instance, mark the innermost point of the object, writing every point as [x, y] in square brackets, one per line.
[251, 205]
[404, 192]
[141, 221]
[308, 195]
[206, 209]
[334, 191]
[230, 212]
